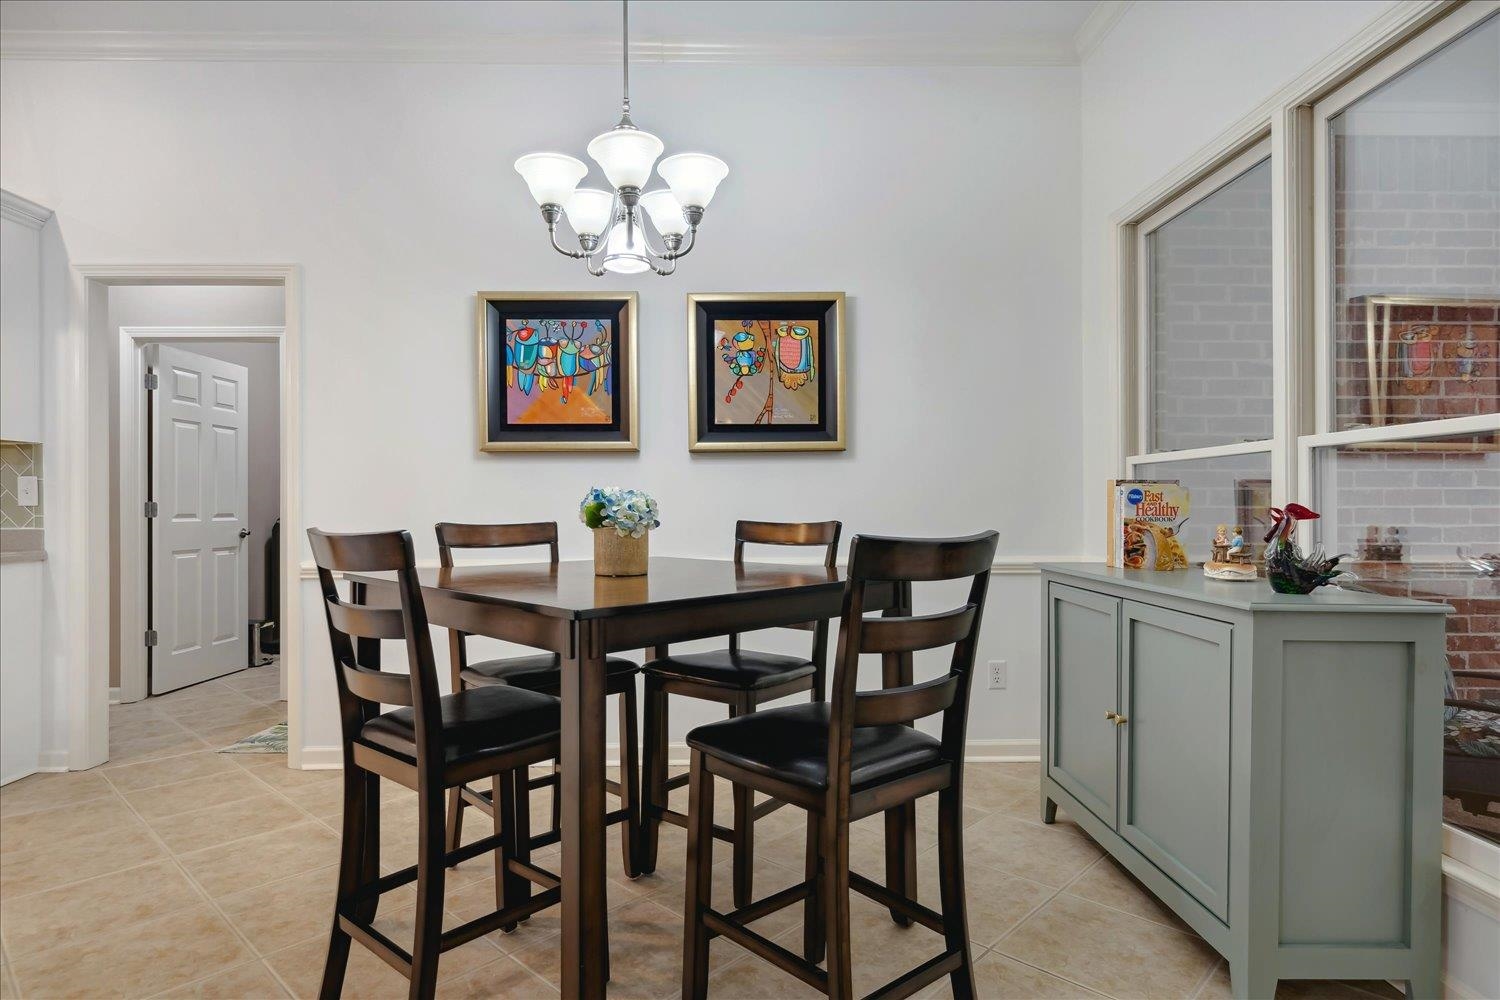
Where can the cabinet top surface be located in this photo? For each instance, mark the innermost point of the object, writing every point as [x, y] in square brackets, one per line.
[1192, 585]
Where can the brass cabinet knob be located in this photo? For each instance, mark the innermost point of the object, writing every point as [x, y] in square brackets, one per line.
[1111, 716]
[1119, 719]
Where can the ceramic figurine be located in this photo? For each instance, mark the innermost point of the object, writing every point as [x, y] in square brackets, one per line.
[1231, 559]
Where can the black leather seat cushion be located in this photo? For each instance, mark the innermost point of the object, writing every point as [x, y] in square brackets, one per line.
[744, 670]
[477, 723]
[536, 673]
[792, 744]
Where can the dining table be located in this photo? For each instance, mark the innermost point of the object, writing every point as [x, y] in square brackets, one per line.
[568, 610]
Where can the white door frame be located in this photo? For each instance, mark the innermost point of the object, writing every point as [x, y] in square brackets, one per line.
[85, 564]
[135, 430]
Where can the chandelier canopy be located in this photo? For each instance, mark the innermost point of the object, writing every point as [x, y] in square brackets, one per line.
[609, 225]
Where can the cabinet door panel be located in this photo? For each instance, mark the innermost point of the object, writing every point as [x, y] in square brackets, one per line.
[1082, 753]
[1175, 747]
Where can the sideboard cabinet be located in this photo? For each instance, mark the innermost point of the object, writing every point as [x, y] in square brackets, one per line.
[1268, 765]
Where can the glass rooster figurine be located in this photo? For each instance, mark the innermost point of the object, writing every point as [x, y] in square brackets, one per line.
[1289, 571]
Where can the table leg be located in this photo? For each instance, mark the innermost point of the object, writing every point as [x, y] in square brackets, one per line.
[584, 941]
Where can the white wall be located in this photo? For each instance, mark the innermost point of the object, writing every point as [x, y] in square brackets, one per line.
[943, 201]
[208, 305]
[1165, 80]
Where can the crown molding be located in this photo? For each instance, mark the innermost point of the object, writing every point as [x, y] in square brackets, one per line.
[1100, 22]
[23, 210]
[552, 50]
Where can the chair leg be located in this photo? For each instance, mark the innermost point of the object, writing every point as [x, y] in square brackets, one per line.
[653, 775]
[835, 885]
[522, 850]
[744, 828]
[509, 887]
[357, 789]
[630, 781]
[813, 939]
[698, 893]
[556, 796]
[431, 873]
[951, 885]
[456, 806]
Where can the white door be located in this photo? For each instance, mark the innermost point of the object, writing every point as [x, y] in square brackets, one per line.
[199, 573]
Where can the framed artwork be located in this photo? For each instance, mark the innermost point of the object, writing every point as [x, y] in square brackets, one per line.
[766, 371]
[557, 371]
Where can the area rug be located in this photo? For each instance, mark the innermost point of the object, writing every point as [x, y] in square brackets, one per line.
[271, 740]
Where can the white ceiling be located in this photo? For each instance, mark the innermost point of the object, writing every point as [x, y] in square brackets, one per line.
[848, 32]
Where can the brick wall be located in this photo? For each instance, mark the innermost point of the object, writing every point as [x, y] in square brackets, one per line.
[1211, 318]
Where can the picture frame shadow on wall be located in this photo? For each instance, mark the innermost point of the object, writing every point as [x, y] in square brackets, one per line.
[766, 371]
[557, 371]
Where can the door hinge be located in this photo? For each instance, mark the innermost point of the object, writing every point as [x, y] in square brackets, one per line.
[152, 380]
[152, 508]
[151, 637]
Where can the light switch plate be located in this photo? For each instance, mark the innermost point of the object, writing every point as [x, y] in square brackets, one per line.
[26, 491]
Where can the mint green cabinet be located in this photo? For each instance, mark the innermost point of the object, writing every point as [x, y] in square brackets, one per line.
[1268, 765]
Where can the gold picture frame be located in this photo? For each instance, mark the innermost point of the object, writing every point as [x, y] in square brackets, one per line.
[497, 432]
[823, 368]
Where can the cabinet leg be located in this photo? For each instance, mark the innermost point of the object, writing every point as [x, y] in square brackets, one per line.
[1250, 981]
[1049, 810]
[1424, 988]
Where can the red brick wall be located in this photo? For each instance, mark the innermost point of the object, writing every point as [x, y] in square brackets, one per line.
[1474, 625]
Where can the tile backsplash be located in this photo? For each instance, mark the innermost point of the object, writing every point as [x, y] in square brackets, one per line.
[17, 459]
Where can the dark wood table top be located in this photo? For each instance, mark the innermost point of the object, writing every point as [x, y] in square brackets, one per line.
[572, 591]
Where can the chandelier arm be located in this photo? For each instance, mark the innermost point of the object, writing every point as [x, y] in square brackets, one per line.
[692, 241]
[671, 265]
[575, 254]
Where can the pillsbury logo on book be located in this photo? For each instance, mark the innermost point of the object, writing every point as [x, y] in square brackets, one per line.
[1135, 496]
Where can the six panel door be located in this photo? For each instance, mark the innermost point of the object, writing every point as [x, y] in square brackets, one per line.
[1175, 742]
[199, 471]
[1083, 685]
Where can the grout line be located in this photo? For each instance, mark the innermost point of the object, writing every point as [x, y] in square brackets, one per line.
[1203, 983]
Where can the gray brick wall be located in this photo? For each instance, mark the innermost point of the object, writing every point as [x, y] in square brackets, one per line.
[1211, 318]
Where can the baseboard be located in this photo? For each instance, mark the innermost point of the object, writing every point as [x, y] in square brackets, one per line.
[114, 696]
[975, 752]
[52, 761]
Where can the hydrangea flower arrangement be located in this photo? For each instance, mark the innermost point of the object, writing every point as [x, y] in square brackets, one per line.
[631, 513]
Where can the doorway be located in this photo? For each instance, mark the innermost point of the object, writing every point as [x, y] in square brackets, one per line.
[90, 388]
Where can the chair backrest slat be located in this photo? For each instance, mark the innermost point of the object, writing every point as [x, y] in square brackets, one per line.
[378, 688]
[896, 563]
[802, 534]
[909, 634]
[366, 623]
[905, 704]
[452, 536]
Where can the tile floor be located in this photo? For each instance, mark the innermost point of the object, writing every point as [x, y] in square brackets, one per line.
[176, 871]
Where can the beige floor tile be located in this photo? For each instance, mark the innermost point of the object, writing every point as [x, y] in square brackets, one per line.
[8, 989]
[285, 779]
[1108, 883]
[85, 909]
[199, 702]
[251, 981]
[267, 857]
[164, 772]
[281, 914]
[52, 828]
[220, 824]
[998, 977]
[129, 752]
[1110, 951]
[645, 952]
[98, 854]
[1217, 988]
[194, 794]
[506, 978]
[301, 966]
[143, 728]
[51, 791]
[997, 902]
[246, 714]
[751, 978]
[136, 960]
[1049, 855]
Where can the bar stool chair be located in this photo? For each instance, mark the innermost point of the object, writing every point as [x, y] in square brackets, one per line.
[846, 759]
[431, 744]
[740, 678]
[541, 672]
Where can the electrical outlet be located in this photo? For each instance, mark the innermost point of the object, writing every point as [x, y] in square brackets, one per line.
[997, 675]
[26, 491]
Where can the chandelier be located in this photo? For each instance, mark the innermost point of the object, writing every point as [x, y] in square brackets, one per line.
[610, 225]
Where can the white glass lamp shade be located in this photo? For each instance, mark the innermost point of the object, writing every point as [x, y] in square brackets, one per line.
[551, 176]
[626, 254]
[626, 155]
[665, 211]
[588, 211]
[694, 177]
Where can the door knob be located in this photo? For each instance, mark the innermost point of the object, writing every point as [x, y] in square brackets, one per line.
[244, 532]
